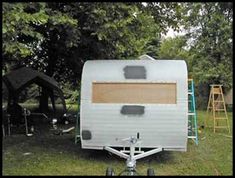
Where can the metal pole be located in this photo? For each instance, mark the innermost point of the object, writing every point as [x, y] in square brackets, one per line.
[123, 155]
[25, 120]
[142, 155]
[8, 124]
[3, 130]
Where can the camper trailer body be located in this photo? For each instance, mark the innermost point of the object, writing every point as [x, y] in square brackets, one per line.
[147, 99]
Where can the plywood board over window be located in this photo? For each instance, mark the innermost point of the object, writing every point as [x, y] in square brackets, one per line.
[148, 93]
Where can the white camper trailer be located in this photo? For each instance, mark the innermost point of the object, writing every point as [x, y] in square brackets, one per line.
[143, 101]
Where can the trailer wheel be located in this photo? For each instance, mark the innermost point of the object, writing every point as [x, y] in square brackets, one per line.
[150, 172]
[109, 171]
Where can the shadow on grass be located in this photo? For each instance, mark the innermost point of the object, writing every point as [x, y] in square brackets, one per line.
[48, 142]
[45, 139]
[66, 144]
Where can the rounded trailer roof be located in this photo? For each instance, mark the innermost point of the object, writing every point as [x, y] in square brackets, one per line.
[154, 69]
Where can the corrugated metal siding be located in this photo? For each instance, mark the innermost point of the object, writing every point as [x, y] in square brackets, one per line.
[162, 125]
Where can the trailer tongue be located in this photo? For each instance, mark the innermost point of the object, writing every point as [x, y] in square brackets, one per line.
[131, 157]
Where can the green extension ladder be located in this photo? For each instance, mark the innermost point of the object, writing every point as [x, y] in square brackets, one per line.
[192, 117]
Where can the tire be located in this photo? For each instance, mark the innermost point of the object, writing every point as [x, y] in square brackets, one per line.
[150, 172]
[109, 171]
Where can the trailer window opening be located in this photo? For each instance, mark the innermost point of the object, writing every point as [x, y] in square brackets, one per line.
[146, 93]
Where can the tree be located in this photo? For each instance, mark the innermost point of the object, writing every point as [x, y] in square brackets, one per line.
[22, 29]
[173, 48]
[166, 14]
[58, 38]
[209, 27]
[117, 30]
[31, 34]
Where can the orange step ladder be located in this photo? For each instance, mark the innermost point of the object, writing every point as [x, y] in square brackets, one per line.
[216, 105]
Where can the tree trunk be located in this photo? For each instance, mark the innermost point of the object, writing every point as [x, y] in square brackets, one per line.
[52, 58]
[44, 101]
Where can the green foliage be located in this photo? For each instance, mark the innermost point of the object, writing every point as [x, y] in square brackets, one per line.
[17, 23]
[118, 30]
[173, 48]
[58, 37]
[26, 27]
[208, 41]
[212, 50]
[71, 93]
[166, 15]
[210, 25]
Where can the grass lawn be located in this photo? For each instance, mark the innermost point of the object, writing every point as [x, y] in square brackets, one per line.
[50, 154]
